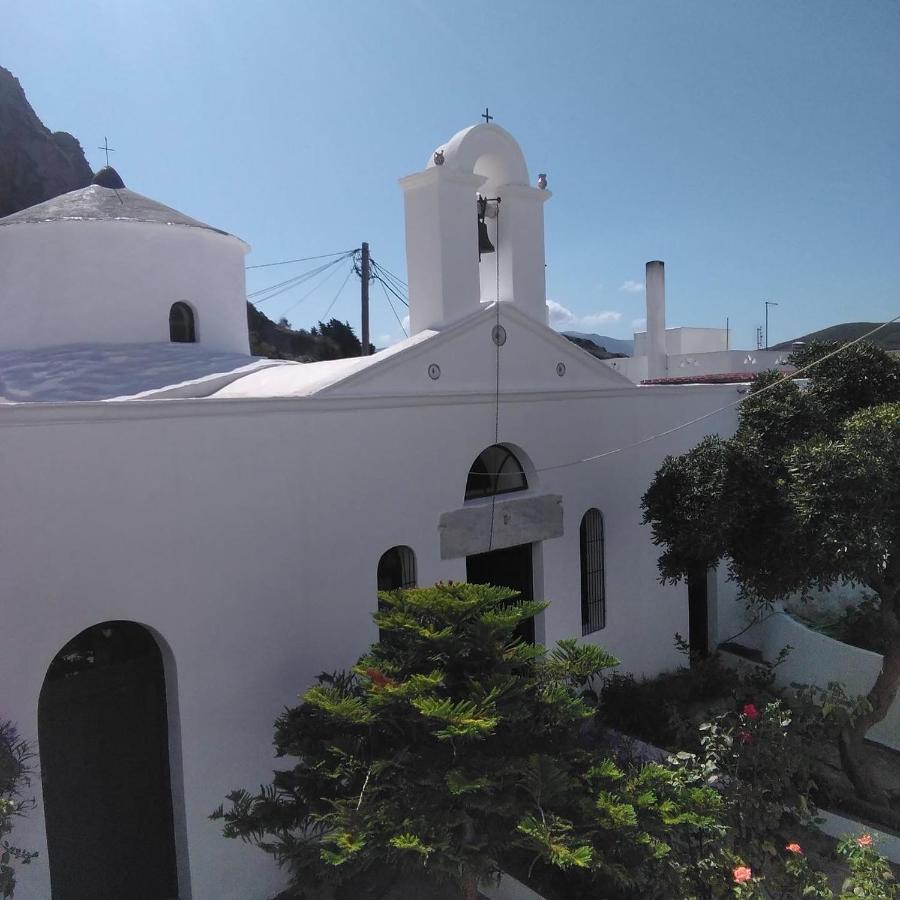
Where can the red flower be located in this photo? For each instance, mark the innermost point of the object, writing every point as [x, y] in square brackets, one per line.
[794, 848]
[379, 679]
[751, 712]
[864, 840]
[742, 874]
[745, 737]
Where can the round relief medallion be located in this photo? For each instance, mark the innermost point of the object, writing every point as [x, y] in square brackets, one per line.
[560, 369]
[434, 371]
[498, 335]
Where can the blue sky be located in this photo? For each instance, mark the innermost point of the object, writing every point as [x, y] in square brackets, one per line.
[755, 147]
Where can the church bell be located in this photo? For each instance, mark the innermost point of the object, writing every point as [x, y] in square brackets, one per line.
[484, 241]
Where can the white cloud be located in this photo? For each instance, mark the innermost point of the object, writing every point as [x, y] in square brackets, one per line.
[639, 324]
[563, 319]
[632, 287]
[388, 339]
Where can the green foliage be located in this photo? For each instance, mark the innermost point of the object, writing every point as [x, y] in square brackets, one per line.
[447, 745]
[804, 495]
[328, 340]
[454, 749]
[870, 873]
[809, 472]
[15, 757]
[870, 876]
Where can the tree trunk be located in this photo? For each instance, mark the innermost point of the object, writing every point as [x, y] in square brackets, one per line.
[470, 885]
[881, 697]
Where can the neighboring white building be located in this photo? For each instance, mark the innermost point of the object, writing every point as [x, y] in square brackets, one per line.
[667, 354]
[189, 535]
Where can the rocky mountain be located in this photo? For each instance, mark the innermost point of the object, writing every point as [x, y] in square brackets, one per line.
[612, 347]
[888, 338]
[35, 163]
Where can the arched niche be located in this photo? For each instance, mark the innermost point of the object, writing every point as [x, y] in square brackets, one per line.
[104, 742]
[489, 151]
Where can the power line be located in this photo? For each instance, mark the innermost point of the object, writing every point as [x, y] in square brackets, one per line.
[275, 290]
[383, 276]
[314, 288]
[293, 280]
[350, 271]
[285, 262]
[398, 291]
[394, 311]
[396, 278]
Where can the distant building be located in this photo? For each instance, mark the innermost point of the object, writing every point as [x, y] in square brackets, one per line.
[687, 354]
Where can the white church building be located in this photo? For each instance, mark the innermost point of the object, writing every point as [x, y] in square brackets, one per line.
[189, 535]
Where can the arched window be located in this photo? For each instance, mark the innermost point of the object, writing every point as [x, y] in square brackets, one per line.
[593, 565]
[181, 324]
[396, 570]
[495, 471]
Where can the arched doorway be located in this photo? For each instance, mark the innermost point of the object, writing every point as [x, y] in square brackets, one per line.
[103, 741]
[497, 470]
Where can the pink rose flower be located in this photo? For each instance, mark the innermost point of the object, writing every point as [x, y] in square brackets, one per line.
[751, 712]
[794, 848]
[742, 874]
[865, 840]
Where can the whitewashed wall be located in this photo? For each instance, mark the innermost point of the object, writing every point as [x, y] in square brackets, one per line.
[683, 365]
[115, 282]
[818, 659]
[247, 534]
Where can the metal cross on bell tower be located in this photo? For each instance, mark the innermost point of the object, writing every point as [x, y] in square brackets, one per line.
[486, 115]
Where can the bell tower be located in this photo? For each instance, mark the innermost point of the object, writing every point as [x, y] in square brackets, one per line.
[474, 187]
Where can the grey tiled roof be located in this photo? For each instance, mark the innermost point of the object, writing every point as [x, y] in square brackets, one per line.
[96, 203]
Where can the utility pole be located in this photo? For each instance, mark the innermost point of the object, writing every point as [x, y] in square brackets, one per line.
[364, 297]
[768, 304]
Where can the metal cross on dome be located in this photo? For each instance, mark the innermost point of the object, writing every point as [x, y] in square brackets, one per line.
[106, 149]
[486, 115]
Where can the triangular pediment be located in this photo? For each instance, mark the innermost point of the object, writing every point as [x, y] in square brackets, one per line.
[462, 359]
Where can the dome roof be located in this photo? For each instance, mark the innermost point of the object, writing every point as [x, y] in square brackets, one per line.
[105, 200]
[108, 177]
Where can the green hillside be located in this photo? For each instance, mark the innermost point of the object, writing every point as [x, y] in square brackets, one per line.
[888, 338]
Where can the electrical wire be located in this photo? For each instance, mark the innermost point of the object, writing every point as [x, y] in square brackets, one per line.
[314, 288]
[394, 311]
[293, 280]
[384, 276]
[274, 290]
[398, 282]
[285, 262]
[350, 271]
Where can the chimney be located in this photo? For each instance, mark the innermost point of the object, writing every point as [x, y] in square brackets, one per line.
[657, 361]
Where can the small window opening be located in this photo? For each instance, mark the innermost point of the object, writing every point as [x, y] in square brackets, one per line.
[181, 324]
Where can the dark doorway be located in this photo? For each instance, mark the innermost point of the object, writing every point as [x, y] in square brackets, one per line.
[506, 568]
[103, 740]
[698, 613]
